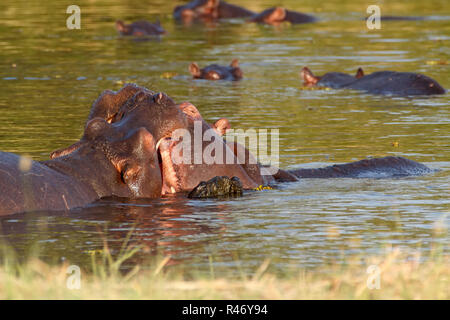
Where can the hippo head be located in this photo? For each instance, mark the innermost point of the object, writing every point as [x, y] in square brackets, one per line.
[125, 126]
[197, 9]
[310, 80]
[216, 72]
[123, 28]
[198, 153]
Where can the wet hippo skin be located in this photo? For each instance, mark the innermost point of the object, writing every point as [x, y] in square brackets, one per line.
[381, 82]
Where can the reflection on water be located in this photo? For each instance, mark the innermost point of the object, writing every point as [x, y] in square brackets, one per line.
[49, 76]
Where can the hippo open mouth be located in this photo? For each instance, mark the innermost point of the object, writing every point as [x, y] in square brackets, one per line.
[169, 175]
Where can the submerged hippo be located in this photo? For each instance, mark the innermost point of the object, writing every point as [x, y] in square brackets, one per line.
[140, 28]
[278, 15]
[381, 82]
[217, 72]
[141, 144]
[209, 10]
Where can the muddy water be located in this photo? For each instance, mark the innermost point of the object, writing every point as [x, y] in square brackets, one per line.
[49, 76]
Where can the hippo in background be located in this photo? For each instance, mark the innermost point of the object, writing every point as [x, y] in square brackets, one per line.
[209, 10]
[140, 28]
[216, 72]
[380, 82]
[278, 15]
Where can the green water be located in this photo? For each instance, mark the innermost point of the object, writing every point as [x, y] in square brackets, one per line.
[49, 77]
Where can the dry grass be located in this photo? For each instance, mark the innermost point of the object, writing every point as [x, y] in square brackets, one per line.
[401, 277]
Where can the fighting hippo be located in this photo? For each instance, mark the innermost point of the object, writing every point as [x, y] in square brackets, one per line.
[209, 10]
[278, 15]
[141, 144]
[400, 18]
[217, 72]
[381, 82]
[140, 28]
[198, 138]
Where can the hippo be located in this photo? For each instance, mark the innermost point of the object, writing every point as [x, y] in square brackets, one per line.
[112, 159]
[278, 15]
[381, 82]
[209, 10]
[217, 72]
[140, 28]
[141, 144]
[218, 187]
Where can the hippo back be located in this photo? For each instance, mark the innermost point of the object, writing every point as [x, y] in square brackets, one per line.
[397, 83]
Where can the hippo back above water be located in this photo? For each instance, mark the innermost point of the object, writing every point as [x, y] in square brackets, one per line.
[381, 82]
[140, 28]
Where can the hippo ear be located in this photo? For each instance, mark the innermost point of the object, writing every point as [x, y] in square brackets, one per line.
[359, 73]
[194, 69]
[120, 26]
[190, 110]
[137, 164]
[221, 126]
[308, 77]
[278, 14]
[234, 63]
